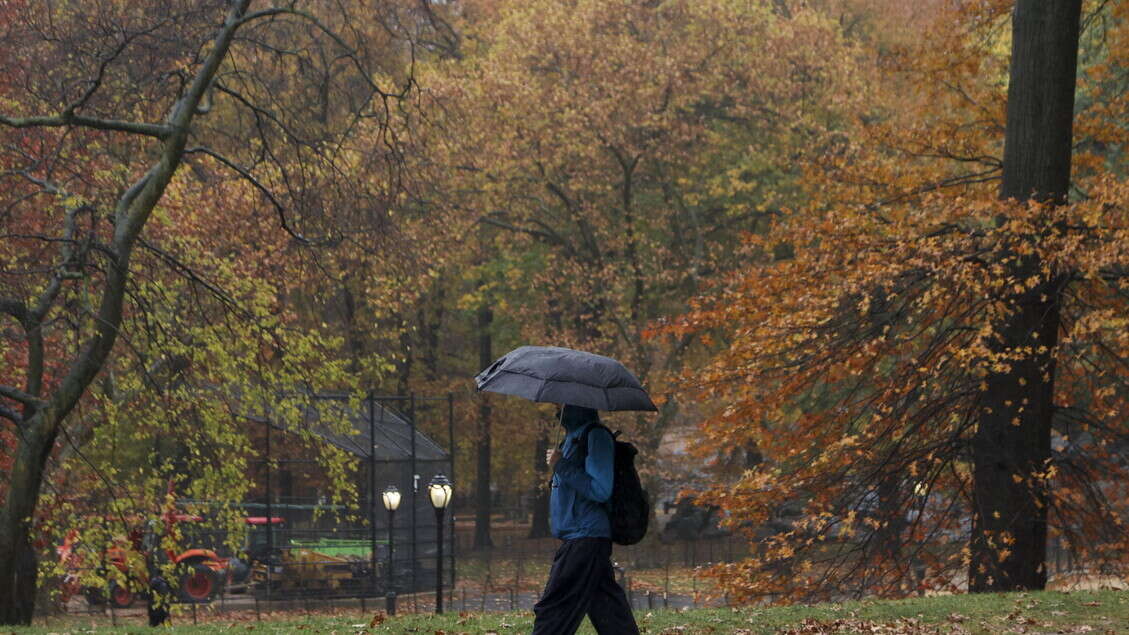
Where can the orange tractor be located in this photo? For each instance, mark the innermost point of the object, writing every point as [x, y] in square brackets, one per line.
[200, 571]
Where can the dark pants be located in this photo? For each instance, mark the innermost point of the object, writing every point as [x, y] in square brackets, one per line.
[582, 582]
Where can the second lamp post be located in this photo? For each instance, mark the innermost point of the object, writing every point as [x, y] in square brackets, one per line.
[439, 490]
[391, 499]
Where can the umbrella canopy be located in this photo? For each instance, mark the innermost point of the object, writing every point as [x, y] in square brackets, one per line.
[551, 374]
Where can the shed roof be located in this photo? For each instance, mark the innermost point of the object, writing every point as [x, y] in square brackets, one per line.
[376, 429]
[388, 436]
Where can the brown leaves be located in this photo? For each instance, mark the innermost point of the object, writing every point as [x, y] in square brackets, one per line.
[901, 626]
[879, 325]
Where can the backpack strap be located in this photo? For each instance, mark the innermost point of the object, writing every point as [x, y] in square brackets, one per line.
[582, 440]
[582, 446]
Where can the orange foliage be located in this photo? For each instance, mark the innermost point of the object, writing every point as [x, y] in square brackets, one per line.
[860, 334]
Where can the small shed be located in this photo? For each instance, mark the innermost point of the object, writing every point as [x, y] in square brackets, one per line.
[384, 436]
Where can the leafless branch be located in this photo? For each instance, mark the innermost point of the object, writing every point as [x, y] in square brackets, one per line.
[350, 51]
[451, 43]
[96, 83]
[546, 236]
[14, 308]
[193, 276]
[16, 394]
[250, 178]
[158, 131]
[11, 415]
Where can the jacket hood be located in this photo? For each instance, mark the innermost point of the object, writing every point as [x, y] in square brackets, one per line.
[573, 417]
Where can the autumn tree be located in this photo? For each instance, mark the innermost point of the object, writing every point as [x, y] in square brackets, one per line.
[284, 110]
[929, 354]
[615, 151]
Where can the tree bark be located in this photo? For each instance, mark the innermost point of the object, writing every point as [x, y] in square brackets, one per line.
[432, 327]
[405, 364]
[1012, 441]
[482, 496]
[354, 337]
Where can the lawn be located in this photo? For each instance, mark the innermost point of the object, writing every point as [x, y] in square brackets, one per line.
[1098, 612]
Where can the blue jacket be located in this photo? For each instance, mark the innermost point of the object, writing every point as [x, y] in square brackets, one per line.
[582, 487]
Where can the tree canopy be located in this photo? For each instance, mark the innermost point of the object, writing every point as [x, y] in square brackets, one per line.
[871, 252]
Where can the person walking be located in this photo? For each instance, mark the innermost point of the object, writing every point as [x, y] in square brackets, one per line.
[581, 580]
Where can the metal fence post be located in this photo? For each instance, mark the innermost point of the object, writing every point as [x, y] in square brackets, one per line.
[372, 488]
[270, 515]
[451, 471]
[412, 431]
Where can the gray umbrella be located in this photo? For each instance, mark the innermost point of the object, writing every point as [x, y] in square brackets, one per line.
[551, 374]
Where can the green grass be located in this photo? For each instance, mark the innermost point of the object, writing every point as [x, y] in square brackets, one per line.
[1098, 612]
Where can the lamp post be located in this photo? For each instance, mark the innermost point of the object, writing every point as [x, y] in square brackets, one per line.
[439, 490]
[391, 498]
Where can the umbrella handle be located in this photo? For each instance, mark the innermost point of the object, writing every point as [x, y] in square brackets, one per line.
[560, 428]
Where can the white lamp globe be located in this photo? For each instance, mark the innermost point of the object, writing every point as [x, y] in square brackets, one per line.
[391, 498]
[439, 489]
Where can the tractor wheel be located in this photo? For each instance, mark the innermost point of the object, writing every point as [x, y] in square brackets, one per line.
[198, 583]
[121, 597]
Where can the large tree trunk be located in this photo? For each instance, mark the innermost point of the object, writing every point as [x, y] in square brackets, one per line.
[432, 326]
[41, 424]
[1012, 442]
[482, 496]
[17, 556]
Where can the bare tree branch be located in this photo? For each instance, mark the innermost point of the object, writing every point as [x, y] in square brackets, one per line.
[11, 415]
[14, 308]
[247, 176]
[96, 83]
[158, 131]
[536, 233]
[192, 275]
[16, 394]
[64, 271]
[350, 52]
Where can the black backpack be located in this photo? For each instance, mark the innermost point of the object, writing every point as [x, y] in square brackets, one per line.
[629, 507]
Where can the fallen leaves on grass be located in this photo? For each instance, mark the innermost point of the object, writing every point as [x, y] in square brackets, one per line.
[376, 620]
[902, 626]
